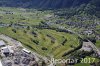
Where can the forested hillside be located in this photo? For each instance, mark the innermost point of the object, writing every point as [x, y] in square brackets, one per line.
[43, 3]
[91, 7]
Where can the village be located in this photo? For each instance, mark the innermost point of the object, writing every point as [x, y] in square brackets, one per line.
[12, 53]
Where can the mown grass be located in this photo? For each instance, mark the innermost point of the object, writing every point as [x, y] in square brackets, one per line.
[56, 49]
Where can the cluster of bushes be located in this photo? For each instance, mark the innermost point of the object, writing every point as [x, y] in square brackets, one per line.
[44, 48]
[64, 42]
[52, 38]
[14, 30]
[34, 33]
[35, 41]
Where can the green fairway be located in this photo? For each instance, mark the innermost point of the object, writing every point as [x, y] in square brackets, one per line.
[56, 49]
[46, 42]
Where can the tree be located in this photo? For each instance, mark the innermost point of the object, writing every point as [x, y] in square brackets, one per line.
[14, 30]
[43, 63]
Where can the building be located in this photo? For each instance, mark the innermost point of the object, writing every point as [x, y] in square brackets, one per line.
[5, 51]
[88, 32]
[27, 51]
[1, 64]
[11, 49]
[86, 47]
[2, 43]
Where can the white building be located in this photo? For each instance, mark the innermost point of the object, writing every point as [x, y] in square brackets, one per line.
[5, 50]
[26, 50]
[2, 43]
[1, 64]
[88, 32]
[11, 49]
[86, 47]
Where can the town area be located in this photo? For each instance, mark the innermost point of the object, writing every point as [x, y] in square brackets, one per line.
[12, 53]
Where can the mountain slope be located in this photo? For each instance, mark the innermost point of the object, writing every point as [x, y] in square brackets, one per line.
[42, 3]
[89, 6]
